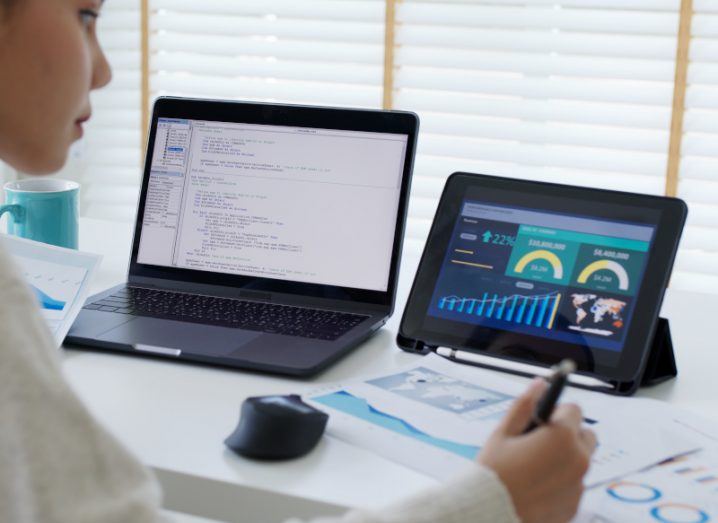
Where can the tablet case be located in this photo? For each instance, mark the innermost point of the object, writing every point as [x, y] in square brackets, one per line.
[660, 366]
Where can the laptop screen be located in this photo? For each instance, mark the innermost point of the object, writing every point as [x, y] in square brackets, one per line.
[290, 203]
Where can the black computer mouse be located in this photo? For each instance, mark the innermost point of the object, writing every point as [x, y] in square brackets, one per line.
[277, 427]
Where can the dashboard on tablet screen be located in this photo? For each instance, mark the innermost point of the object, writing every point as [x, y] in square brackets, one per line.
[563, 277]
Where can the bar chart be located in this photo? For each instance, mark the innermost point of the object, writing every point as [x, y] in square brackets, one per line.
[537, 310]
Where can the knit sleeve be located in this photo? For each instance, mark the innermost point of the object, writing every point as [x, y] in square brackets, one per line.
[478, 497]
[56, 463]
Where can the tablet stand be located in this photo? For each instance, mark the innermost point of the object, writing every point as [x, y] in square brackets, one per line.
[660, 366]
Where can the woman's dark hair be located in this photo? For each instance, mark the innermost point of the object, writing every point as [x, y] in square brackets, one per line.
[7, 4]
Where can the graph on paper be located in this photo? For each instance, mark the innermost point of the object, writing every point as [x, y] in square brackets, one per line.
[47, 302]
[58, 277]
[361, 409]
[434, 416]
[445, 392]
[55, 286]
[681, 490]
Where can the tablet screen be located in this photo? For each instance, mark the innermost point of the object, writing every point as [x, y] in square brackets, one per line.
[565, 277]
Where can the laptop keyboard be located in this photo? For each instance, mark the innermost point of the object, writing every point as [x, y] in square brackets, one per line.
[226, 312]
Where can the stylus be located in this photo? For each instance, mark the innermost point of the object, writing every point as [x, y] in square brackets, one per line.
[547, 403]
[479, 359]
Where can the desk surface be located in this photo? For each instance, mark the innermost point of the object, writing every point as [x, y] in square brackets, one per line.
[175, 416]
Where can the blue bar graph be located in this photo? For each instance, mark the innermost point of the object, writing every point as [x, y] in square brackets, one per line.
[491, 307]
[501, 309]
[522, 309]
[532, 311]
[510, 315]
[480, 312]
[542, 312]
[472, 304]
[536, 311]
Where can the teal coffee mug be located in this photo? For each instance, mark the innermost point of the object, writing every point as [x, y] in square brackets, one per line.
[44, 210]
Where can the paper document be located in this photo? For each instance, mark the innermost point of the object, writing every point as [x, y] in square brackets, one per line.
[680, 490]
[435, 415]
[59, 278]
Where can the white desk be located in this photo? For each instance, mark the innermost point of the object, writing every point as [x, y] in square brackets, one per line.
[175, 416]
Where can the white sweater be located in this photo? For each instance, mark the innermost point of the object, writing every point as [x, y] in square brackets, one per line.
[58, 465]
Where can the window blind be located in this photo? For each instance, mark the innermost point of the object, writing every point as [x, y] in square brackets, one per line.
[572, 91]
[325, 52]
[697, 264]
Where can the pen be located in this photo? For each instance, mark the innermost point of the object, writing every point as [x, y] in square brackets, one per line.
[547, 403]
[512, 366]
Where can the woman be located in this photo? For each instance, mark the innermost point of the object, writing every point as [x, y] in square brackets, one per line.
[56, 463]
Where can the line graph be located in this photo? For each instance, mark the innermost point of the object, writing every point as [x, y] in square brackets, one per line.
[360, 408]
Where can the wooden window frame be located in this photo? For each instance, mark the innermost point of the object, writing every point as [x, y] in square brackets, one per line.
[683, 42]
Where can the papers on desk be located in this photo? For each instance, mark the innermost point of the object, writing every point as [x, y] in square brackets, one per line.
[60, 279]
[679, 490]
[435, 415]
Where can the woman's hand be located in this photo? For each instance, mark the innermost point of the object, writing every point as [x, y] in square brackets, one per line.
[543, 470]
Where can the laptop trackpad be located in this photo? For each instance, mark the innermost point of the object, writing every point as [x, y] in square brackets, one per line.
[188, 337]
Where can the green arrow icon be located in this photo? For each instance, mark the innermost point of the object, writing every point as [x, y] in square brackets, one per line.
[487, 236]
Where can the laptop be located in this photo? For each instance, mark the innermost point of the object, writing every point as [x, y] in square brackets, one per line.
[268, 237]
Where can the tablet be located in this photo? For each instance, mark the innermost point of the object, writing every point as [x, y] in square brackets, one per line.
[537, 272]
